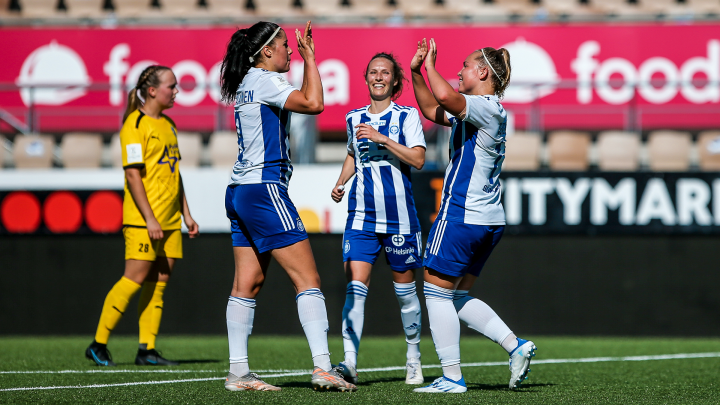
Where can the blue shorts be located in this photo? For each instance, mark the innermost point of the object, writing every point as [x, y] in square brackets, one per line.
[402, 252]
[456, 249]
[262, 215]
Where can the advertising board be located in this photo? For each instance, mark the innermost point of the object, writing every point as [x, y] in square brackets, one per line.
[583, 75]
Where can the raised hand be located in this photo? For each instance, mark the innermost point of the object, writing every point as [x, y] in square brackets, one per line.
[306, 45]
[420, 54]
[431, 55]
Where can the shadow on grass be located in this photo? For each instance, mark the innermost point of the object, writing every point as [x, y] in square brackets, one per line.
[197, 361]
[380, 380]
[504, 387]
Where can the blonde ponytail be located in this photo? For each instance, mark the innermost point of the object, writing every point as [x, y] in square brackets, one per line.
[150, 77]
[498, 60]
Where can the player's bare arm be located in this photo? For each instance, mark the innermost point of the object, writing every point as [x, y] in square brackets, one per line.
[348, 170]
[309, 99]
[429, 107]
[414, 157]
[443, 92]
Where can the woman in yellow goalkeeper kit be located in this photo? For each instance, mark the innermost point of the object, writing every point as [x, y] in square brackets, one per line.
[154, 201]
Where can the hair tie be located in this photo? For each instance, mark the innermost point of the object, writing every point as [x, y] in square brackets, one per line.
[137, 93]
[493, 69]
[252, 58]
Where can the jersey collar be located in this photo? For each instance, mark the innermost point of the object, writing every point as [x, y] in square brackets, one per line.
[383, 112]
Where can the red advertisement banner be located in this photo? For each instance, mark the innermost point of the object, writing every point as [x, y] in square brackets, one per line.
[564, 76]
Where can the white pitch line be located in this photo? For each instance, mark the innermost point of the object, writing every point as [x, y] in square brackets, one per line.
[105, 371]
[291, 373]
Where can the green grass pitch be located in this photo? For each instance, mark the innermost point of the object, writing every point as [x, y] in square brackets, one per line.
[603, 378]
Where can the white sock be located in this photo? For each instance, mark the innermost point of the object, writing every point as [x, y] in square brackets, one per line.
[480, 317]
[240, 314]
[411, 315]
[313, 317]
[353, 317]
[445, 328]
[510, 343]
[413, 351]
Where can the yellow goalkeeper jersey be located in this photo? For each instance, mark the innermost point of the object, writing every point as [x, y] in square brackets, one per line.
[150, 145]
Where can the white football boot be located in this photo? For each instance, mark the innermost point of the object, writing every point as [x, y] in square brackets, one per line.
[520, 362]
[348, 371]
[444, 385]
[414, 374]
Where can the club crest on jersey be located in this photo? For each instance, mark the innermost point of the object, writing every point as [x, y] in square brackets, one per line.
[300, 225]
[394, 129]
[398, 240]
[347, 246]
[166, 159]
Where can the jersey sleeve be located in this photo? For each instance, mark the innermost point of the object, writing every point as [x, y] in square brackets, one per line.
[413, 130]
[479, 111]
[451, 118]
[132, 144]
[350, 135]
[275, 90]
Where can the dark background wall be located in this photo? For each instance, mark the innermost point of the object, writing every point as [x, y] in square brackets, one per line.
[578, 285]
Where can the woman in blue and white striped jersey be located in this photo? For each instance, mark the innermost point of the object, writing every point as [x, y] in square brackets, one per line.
[385, 141]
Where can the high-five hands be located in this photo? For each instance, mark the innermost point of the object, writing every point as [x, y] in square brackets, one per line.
[419, 58]
[306, 45]
[431, 54]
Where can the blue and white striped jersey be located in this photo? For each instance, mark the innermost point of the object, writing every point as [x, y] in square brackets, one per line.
[262, 128]
[381, 197]
[471, 189]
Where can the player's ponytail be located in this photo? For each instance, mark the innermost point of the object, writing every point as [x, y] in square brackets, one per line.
[499, 62]
[150, 77]
[243, 53]
[398, 72]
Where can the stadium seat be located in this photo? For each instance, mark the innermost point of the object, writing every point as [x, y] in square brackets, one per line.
[704, 6]
[373, 8]
[669, 150]
[665, 7]
[424, 8]
[181, 8]
[618, 151]
[517, 7]
[115, 151]
[330, 152]
[522, 151]
[325, 8]
[276, 8]
[568, 150]
[476, 8]
[4, 8]
[227, 8]
[223, 148]
[81, 150]
[709, 150]
[33, 151]
[85, 8]
[619, 8]
[571, 8]
[39, 8]
[190, 145]
[134, 8]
